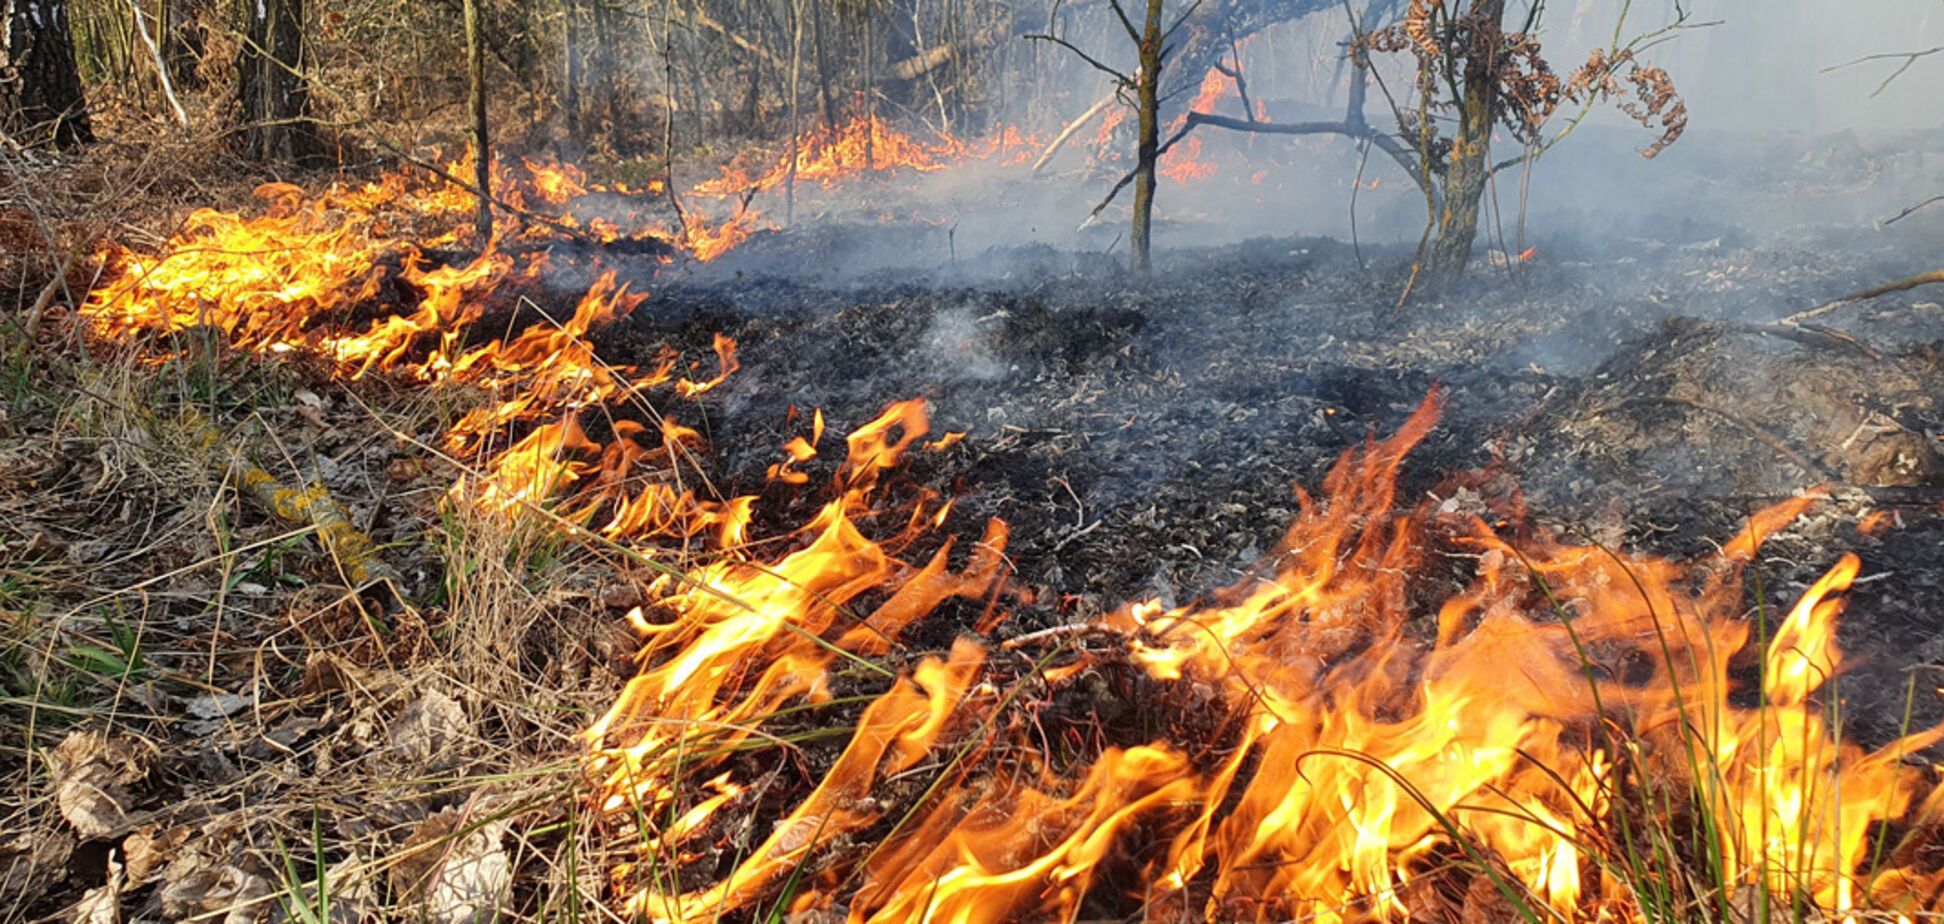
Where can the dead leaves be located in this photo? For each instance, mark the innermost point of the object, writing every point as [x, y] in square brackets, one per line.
[91, 773]
[429, 730]
[214, 877]
[453, 868]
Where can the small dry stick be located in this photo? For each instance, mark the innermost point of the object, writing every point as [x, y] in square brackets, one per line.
[1900, 216]
[161, 69]
[1901, 285]
[54, 286]
[311, 506]
[1060, 140]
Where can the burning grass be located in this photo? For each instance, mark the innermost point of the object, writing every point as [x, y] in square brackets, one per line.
[1577, 733]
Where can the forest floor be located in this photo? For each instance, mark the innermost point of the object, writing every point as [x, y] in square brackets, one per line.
[211, 722]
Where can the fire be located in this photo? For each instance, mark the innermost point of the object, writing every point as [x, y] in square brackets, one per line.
[1361, 768]
[1349, 733]
[1183, 163]
[826, 158]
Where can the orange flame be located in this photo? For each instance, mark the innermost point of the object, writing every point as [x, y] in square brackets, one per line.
[1340, 736]
[1565, 689]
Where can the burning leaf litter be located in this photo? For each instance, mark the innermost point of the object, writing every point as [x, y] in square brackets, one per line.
[1337, 766]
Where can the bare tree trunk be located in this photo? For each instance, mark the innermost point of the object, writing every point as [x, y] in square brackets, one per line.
[796, 70]
[1468, 167]
[870, 83]
[47, 102]
[570, 54]
[476, 105]
[823, 67]
[183, 41]
[1147, 84]
[270, 85]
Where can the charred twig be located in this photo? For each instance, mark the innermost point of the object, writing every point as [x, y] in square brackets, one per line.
[1901, 285]
[1807, 335]
[1900, 216]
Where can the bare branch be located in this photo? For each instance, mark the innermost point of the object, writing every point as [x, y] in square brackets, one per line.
[1906, 212]
[1190, 11]
[1120, 78]
[1908, 57]
[1348, 129]
[1128, 24]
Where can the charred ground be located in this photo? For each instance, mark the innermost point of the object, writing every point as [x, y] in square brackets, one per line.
[1144, 437]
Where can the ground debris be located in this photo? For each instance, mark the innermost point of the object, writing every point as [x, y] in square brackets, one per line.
[92, 773]
[453, 868]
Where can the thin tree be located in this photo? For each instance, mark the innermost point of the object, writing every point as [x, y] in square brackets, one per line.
[271, 88]
[1151, 45]
[46, 102]
[476, 106]
[183, 41]
[1475, 77]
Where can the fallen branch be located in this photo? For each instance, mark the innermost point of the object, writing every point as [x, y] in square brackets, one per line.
[1067, 133]
[1901, 285]
[311, 505]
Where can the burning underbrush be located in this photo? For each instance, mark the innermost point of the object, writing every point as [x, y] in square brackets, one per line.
[854, 688]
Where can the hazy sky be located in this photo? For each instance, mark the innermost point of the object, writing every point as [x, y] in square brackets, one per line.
[1763, 66]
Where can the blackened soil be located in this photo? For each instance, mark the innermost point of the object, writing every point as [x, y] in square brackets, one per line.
[1143, 437]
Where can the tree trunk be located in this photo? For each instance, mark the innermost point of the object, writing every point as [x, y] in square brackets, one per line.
[1147, 84]
[570, 53]
[183, 41]
[1468, 167]
[47, 101]
[796, 73]
[271, 88]
[476, 105]
[823, 67]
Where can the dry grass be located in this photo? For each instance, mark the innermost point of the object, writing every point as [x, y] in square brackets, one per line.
[203, 719]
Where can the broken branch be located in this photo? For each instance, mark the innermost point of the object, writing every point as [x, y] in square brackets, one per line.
[1901, 285]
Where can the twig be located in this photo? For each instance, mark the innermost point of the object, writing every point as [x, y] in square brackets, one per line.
[1904, 284]
[31, 323]
[1909, 58]
[1060, 140]
[161, 69]
[1119, 78]
[1753, 429]
[1906, 212]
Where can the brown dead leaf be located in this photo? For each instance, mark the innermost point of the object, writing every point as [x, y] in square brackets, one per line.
[213, 878]
[32, 861]
[453, 872]
[429, 729]
[91, 774]
[150, 848]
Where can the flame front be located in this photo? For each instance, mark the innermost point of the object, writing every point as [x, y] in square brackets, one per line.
[1350, 733]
